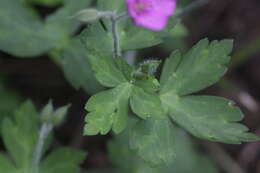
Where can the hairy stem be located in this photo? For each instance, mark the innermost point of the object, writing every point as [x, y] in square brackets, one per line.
[117, 50]
[195, 5]
[45, 130]
[115, 19]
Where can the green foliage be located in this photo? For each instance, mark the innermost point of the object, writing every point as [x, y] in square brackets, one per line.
[154, 140]
[17, 30]
[211, 118]
[9, 101]
[201, 67]
[97, 40]
[20, 137]
[25, 35]
[107, 71]
[65, 160]
[136, 103]
[146, 104]
[77, 68]
[188, 158]
[206, 117]
[111, 5]
[109, 110]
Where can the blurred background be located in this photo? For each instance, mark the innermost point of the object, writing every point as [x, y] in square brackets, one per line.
[42, 77]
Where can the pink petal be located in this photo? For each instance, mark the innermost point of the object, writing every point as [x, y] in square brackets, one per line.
[153, 21]
[166, 7]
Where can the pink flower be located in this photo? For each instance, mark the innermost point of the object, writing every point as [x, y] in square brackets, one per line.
[151, 14]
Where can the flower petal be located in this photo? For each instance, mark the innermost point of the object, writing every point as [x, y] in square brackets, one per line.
[153, 21]
[166, 7]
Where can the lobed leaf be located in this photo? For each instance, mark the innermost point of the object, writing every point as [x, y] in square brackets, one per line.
[6, 164]
[154, 141]
[16, 138]
[145, 104]
[210, 118]
[21, 34]
[201, 67]
[107, 71]
[108, 110]
[77, 68]
[65, 160]
[97, 40]
[25, 35]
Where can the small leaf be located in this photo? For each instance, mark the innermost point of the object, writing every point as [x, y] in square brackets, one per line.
[138, 38]
[154, 141]
[187, 158]
[145, 104]
[147, 82]
[6, 164]
[16, 138]
[210, 118]
[65, 160]
[107, 71]
[18, 34]
[111, 5]
[201, 67]
[108, 110]
[149, 67]
[133, 37]
[170, 66]
[9, 101]
[77, 68]
[97, 41]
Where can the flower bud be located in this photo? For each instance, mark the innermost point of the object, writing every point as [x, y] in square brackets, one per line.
[87, 15]
[60, 114]
[46, 113]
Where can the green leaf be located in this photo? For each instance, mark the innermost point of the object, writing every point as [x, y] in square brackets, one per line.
[59, 27]
[149, 67]
[9, 101]
[134, 37]
[210, 118]
[110, 5]
[170, 66]
[187, 157]
[18, 34]
[147, 82]
[77, 68]
[138, 38]
[107, 71]
[154, 140]
[6, 164]
[21, 34]
[16, 135]
[145, 104]
[201, 67]
[65, 160]
[108, 110]
[97, 40]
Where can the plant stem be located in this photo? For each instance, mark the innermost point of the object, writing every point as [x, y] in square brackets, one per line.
[192, 6]
[117, 51]
[45, 130]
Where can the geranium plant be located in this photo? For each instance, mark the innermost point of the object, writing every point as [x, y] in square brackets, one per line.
[145, 104]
